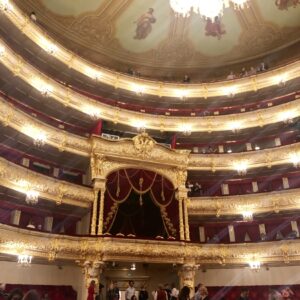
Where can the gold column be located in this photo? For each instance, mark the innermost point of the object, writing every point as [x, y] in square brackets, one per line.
[101, 212]
[94, 216]
[186, 219]
[187, 276]
[181, 224]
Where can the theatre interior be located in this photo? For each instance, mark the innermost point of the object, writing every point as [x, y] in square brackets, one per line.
[156, 141]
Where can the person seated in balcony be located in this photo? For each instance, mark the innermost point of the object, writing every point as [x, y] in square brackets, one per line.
[243, 73]
[274, 295]
[186, 79]
[32, 295]
[252, 71]
[231, 76]
[197, 188]
[30, 225]
[287, 294]
[292, 235]
[244, 294]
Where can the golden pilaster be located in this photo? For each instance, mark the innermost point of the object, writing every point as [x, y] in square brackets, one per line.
[187, 276]
[101, 212]
[181, 224]
[186, 220]
[94, 216]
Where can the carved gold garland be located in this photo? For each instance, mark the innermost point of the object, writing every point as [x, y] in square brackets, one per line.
[21, 179]
[235, 205]
[118, 80]
[19, 67]
[14, 241]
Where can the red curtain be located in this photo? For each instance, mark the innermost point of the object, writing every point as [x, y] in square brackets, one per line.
[120, 184]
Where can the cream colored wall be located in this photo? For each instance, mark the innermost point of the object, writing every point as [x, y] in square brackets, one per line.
[42, 275]
[247, 277]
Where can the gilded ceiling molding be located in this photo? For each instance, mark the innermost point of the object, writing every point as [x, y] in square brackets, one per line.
[14, 241]
[276, 201]
[50, 88]
[23, 180]
[143, 151]
[119, 80]
[64, 141]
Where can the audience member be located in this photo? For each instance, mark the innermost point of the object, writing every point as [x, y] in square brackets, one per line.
[91, 290]
[174, 292]
[244, 294]
[231, 76]
[32, 295]
[30, 225]
[33, 16]
[15, 294]
[130, 291]
[274, 295]
[113, 292]
[143, 294]
[186, 79]
[160, 294]
[168, 290]
[184, 293]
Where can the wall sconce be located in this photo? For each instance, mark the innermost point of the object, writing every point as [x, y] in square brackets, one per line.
[241, 167]
[247, 216]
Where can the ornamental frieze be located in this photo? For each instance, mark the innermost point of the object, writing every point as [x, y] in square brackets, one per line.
[235, 205]
[14, 241]
[22, 180]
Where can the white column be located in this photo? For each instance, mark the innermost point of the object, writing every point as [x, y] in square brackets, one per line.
[231, 233]
[277, 142]
[285, 183]
[15, 217]
[248, 147]
[254, 186]
[225, 189]
[295, 227]
[221, 148]
[202, 234]
[48, 223]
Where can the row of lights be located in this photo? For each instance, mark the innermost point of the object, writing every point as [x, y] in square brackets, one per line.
[46, 90]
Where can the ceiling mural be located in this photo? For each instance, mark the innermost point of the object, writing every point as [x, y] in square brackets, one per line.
[147, 33]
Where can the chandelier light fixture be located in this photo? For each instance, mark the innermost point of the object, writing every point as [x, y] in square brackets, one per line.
[248, 216]
[207, 9]
[39, 137]
[241, 167]
[32, 197]
[24, 260]
[5, 5]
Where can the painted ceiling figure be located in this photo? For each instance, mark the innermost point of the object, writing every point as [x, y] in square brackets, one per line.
[143, 25]
[284, 4]
[214, 28]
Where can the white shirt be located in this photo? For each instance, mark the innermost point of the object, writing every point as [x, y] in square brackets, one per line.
[130, 291]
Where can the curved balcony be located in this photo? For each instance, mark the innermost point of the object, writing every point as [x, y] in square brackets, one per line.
[239, 231]
[50, 246]
[235, 205]
[23, 180]
[66, 96]
[42, 166]
[33, 32]
[10, 116]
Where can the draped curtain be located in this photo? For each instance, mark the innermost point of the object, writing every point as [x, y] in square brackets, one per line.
[122, 183]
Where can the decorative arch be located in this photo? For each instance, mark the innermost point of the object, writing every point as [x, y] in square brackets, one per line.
[135, 186]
